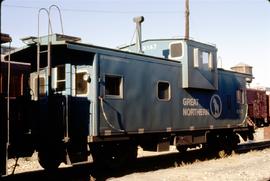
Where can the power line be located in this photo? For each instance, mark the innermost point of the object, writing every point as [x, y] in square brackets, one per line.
[97, 11]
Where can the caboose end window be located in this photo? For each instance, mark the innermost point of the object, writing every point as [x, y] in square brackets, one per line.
[81, 83]
[61, 77]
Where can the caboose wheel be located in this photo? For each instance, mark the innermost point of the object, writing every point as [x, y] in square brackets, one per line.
[181, 149]
[49, 160]
[115, 155]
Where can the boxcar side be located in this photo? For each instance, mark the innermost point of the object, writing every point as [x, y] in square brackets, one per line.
[15, 139]
[268, 107]
[257, 106]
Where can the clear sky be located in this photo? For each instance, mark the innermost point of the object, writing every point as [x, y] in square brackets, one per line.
[240, 29]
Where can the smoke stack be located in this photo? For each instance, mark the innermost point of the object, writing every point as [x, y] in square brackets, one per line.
[138, 20]
[187, 20]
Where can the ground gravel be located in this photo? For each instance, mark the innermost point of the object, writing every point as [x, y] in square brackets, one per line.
[251, 166]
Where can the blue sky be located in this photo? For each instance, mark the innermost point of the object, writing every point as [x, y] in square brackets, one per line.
[240, 29]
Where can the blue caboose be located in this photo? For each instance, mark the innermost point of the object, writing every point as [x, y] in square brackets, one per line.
[107, 102]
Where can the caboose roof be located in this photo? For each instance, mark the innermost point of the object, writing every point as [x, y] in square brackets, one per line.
[69, 46]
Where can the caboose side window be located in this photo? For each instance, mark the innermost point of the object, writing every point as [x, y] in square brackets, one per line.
[207, 60]
[240, 96]
[61, 77]
[202, 59]
[196, 57]
[176, 50]
[113, 86]
[164, 92]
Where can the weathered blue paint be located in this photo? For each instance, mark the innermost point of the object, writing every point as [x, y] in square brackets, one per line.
[200, 97]
[191, 77]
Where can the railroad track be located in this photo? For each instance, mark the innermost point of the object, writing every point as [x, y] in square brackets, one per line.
[253, 146]
[88, 171]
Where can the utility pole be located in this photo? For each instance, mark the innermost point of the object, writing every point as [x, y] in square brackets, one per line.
[187, 19]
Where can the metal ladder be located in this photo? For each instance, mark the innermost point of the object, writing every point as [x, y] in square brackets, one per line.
[48, 50]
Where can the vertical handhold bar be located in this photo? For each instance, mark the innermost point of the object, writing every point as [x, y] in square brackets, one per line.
[60, 15]
[38, 47]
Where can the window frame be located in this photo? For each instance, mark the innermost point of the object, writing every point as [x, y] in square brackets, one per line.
[41, 86]
[240, 96]
[60, 80]
[121, 87]
[196, 57]
[87, 83]
[199, 57]
[170, 54]
[157, 90]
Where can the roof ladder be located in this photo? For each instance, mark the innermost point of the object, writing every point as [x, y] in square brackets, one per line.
[48, 50]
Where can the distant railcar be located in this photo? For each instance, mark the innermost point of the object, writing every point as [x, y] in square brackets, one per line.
[268, 107]
[15, 137]
[18, 89]
[19, 73]
[258, 106]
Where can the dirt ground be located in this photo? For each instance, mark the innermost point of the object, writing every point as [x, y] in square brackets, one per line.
[254, 165]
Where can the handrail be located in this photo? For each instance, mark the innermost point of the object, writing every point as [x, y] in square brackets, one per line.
[49, 20]
[38, 47]
[8, 109]
[60, 15]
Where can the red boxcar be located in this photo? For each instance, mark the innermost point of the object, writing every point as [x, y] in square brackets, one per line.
[18, 78]
[18, 126]
[258, 106]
